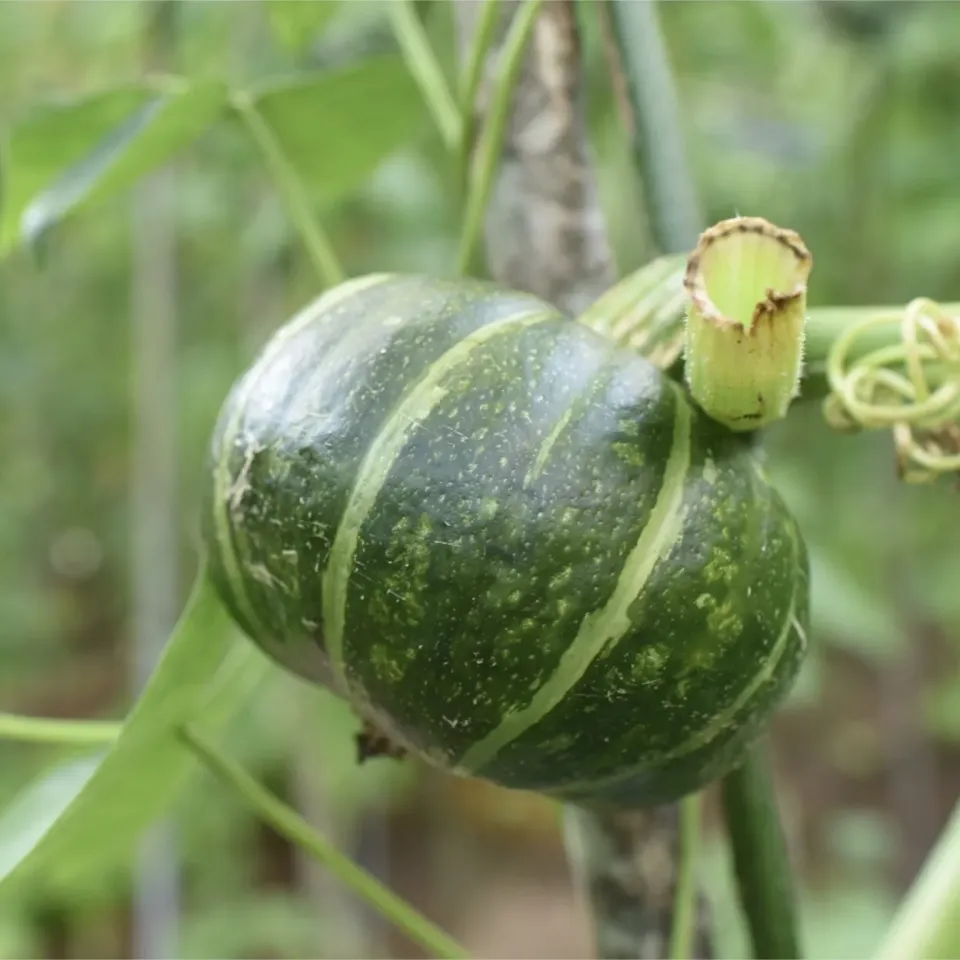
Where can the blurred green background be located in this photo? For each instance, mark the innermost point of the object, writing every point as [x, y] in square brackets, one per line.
[838, 119]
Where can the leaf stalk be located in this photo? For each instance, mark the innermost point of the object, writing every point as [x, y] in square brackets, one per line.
[685, 898]
[760, 858]
[423, 64]
[299, 206]
[288, 823]
[491, 140]
[74, 733]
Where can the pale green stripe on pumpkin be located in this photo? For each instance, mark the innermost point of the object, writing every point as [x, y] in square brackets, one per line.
[725, 718]
[607, 626]
[548, 444]
[224, 484]
[597, 383]
[414, 406]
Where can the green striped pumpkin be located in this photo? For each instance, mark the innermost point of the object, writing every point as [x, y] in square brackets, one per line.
[516, 548]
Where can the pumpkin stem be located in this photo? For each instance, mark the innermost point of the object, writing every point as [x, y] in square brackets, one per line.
[747, 287]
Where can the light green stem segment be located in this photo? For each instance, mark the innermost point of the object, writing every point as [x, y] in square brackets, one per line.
[645, 312]
[294, 193]
[74, 733]
[743, 356]
[660, 153]
[291, 825]
[473, 69]
[685, 900]
[760, 859]
[825, 325]
[927, 924]
[423, 64]
[487, 158]
[470, 84]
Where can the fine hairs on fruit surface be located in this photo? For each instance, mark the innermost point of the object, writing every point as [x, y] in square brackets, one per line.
[517, 549]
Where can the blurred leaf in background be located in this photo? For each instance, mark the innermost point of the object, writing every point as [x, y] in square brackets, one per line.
[159, 129]
[337, 127]
[296, 23]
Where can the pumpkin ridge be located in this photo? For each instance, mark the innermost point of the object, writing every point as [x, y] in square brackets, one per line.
[719, 723]
[224, 483]
[413, 407]
[609, 624]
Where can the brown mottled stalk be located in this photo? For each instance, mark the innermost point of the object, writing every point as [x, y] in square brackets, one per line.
[545, 233]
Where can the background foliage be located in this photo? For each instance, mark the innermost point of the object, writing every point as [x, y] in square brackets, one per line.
[837, 119]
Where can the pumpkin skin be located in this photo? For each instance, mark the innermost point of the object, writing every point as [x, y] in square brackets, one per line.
[516, 548]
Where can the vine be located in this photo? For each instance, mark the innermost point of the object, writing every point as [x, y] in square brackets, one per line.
[911, 387]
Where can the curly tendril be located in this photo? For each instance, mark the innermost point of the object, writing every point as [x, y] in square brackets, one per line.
[912, 388]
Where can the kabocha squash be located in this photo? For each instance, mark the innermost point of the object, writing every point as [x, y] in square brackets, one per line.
[517, 549]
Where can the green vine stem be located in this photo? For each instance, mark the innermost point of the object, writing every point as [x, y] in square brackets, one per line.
[646, 311]
[877, 327]
[927, 923]
[490, 145]
[298, 203]
[470, 78]
[73, 733]
[760, 859]
[653, 117]
[685, 899]
[291, 825]
[472, 71]
[426, 70]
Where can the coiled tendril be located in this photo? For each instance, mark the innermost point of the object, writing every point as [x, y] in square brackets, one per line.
[912, 387]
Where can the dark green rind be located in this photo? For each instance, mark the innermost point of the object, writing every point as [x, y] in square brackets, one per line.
[474, 583]
[473, 570]
[657, 782]
[705, 624]
[305, 423]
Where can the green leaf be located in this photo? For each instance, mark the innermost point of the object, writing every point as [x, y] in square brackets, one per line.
[295, 23]
[68, 155]
[31, 813]
[336, 128]
[51, 138]
[89, 814]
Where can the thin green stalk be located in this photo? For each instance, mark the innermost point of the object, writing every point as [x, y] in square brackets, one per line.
[760, 859]
[294, 193]
[826, 324]
[685, 900]
[657, 132]
[649, 303]
[473, 69]
[74, 733]
[927, 924]
[291, 825]
[470, 82]
[426, 70]
[491, 140]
